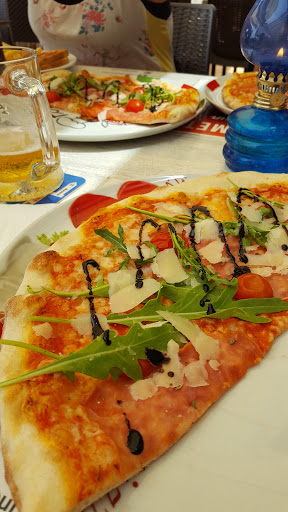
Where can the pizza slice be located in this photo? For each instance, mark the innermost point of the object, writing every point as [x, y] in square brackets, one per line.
[128, 329]
[120, 98]
[239, 90]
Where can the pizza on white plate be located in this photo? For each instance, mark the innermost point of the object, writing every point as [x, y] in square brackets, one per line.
[145, 100]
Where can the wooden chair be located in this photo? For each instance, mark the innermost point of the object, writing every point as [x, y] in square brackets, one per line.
[229, 18]
[192, 31]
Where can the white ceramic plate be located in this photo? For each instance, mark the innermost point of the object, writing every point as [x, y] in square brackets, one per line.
[71, 61]
[232, 459]
[213, 92]
[70, 127]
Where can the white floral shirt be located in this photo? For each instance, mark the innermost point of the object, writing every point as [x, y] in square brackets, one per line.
[119, 33]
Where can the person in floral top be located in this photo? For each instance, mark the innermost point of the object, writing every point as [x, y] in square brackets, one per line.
[134, 34]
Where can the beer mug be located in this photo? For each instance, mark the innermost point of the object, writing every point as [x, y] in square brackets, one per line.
[29, 152]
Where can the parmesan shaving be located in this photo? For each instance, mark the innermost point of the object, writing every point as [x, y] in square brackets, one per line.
[213, 251]
[172, 376]
[44, 330]
[196, 374]
[206, 229]
[129, 297]
[251, 214]
[82, 324]
[120, 279]
[168, 267]
[206, 346]
[171, 209]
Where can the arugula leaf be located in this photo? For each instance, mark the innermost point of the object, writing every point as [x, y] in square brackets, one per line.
[144, 78]
[118, 242]
[49, 241]
[184, 219]
[99, 290]
[176, 293]
[220, 297]
[249, 193]
[39, 350]
[44, 239]
[187, 255]
[97, 359]
[226, 307]
[124, 262]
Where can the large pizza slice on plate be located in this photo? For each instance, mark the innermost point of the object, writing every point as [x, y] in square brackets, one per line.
[128, 329]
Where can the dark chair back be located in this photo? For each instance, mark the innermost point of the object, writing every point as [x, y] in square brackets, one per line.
[192, 31]
[229, 19]
[18, 16]
[5, 25]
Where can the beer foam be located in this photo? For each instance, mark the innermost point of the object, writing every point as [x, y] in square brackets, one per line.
[16, 140]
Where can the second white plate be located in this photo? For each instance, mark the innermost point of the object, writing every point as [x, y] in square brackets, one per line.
[71, 61]
[213, 92]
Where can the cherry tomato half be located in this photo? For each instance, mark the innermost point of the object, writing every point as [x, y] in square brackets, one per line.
[139, 89]
[164, 241]
[5, 92]
[134, 106]
[53, 96]
[253, 286]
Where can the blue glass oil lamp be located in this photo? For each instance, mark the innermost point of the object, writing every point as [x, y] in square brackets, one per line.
[257, 137]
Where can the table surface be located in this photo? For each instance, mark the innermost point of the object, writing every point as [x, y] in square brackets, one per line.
[243, 450]
[170, 153]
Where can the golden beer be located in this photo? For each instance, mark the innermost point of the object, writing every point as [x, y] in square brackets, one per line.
[21, 160]
[29, 152]
[17, 167]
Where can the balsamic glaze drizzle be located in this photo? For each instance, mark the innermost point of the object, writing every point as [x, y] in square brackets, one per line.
[104, 91]
[117, 92]
[238, 269]
[156, 357]
[135, 441]
[139, 280]
[96, 327]
[146, 221]
[106, 338]
[140, 252]
[86, 90]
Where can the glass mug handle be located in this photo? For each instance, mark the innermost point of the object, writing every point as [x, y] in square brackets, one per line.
[20, 81]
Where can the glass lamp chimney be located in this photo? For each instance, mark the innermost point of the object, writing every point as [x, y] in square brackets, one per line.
[257, 138]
